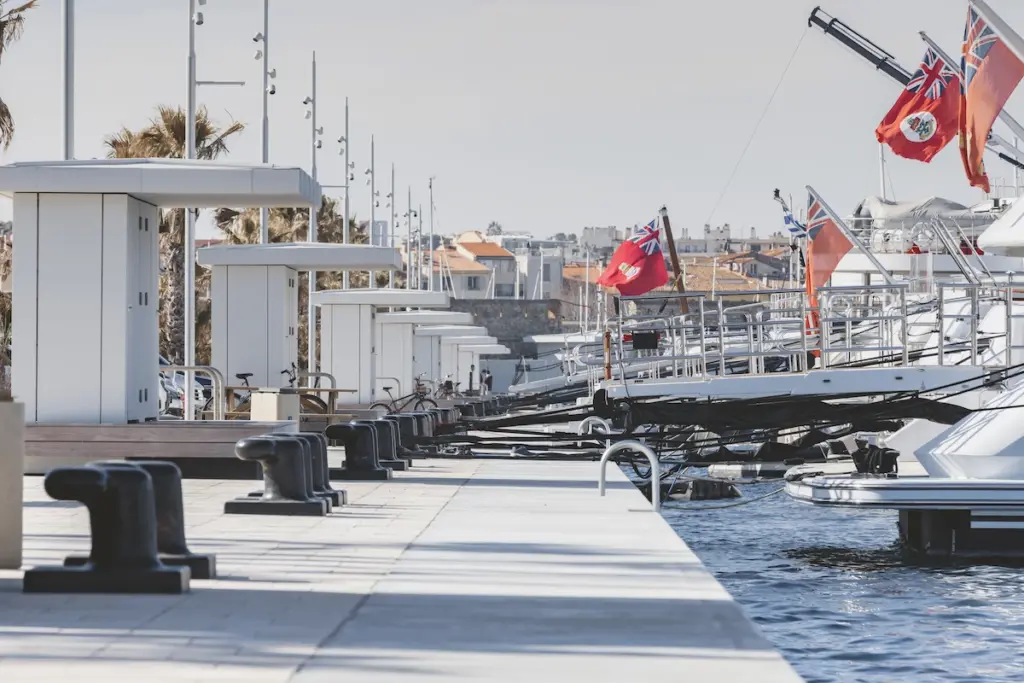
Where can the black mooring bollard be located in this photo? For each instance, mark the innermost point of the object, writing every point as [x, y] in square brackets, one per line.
[308, 465]
[387, 432]
[171, 546]
[286, 487]
[326, 467]
[318, 460]
[385, 457]
[403, 433]
[360, 445]
[123, 526]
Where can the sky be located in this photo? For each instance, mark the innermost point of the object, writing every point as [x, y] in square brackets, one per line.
[543, 115]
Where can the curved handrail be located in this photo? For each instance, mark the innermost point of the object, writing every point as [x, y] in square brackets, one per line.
[216, 378]
[592, 422]
[651, 457]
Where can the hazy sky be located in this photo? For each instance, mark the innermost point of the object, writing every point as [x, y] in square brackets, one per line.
[543, 115]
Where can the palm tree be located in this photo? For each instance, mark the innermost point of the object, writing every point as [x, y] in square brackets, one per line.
[12, 23]
[164, 137]
[292, 225]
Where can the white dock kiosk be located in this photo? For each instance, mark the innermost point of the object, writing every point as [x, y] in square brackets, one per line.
[349, 335]
[428, 347]
[86, 271]
[397, 348]
[255, 300]
[463, 367]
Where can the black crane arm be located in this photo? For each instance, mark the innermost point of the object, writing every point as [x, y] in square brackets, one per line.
[879, 58]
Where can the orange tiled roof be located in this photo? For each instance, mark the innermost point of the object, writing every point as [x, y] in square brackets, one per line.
[485, 249]
[450, 259]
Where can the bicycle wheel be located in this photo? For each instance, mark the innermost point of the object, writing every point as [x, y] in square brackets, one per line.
[312, 404]
[425, 404]
[241, 410]
[385, 406]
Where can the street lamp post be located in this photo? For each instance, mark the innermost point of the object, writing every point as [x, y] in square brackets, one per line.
[408, 242]
[67, 13]
[419, 249]
[430, 246]
[189, 356]
[268, 90]
[315, 144]
[349, 177]
[392, 215]
[372, 182]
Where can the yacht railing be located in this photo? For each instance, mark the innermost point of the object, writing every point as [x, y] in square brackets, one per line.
[877, 312]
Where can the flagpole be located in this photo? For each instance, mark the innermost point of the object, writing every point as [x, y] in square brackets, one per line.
[1004, 116]
[841, 224]
[684, 307]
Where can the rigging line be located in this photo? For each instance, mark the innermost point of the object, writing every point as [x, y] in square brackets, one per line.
[753, 134]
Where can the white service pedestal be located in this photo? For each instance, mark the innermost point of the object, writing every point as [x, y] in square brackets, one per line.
[85, 308]
[274, 405]
[255, 302]
[350, 342]
[12, 468]
[255, 311]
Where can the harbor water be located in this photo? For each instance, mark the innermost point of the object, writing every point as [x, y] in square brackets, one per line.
[831, 589]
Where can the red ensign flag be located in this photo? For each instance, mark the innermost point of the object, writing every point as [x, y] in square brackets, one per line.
[924, 118]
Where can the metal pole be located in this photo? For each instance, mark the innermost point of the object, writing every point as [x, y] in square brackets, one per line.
[392, 209]
[189, 275]
[311, 358]
[348, 184]
[408, 243]
[419, 248]
[373, 205]
[881, 168]
[67, 11]
[430, 245]
[265, 129]
[586, 297]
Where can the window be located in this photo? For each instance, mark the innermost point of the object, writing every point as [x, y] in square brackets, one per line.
[547, 272]
[504, 290]
[473, 282]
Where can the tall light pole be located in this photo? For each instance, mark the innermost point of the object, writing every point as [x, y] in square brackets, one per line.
[430, 247]
[194, 19]
[314, 144]
[392, 215]
[189, 355]
[372, 182]
[268, 90]
[408, 242]
[419, 249]
[67, 15]
[349, 177]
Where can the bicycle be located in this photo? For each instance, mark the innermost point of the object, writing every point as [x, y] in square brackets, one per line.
[448, 389]
[419, 399]
[308, 403]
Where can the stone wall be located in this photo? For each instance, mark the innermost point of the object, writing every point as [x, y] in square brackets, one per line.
[509, 320]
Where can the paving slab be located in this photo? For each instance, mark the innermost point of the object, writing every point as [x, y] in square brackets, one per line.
[458, 570]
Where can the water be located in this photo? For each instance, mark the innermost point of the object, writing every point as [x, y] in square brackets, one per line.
[832, 591]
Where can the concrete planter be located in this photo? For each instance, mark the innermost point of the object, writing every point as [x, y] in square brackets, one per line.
[12, 467]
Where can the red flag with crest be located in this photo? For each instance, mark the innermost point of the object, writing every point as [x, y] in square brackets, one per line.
[638, 265]
[924, 119]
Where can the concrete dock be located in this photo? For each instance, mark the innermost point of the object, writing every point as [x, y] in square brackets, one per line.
[459, 570]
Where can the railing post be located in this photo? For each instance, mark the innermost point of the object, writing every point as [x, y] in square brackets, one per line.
[721, 338]
[703, 338]
[975, 314]
[651, 458]
[1010, 360]
[941, 320]
[906, 334]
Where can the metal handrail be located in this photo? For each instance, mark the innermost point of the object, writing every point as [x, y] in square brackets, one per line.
[651, 458]
[591, 423]
[331, 395]
[216, 378]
